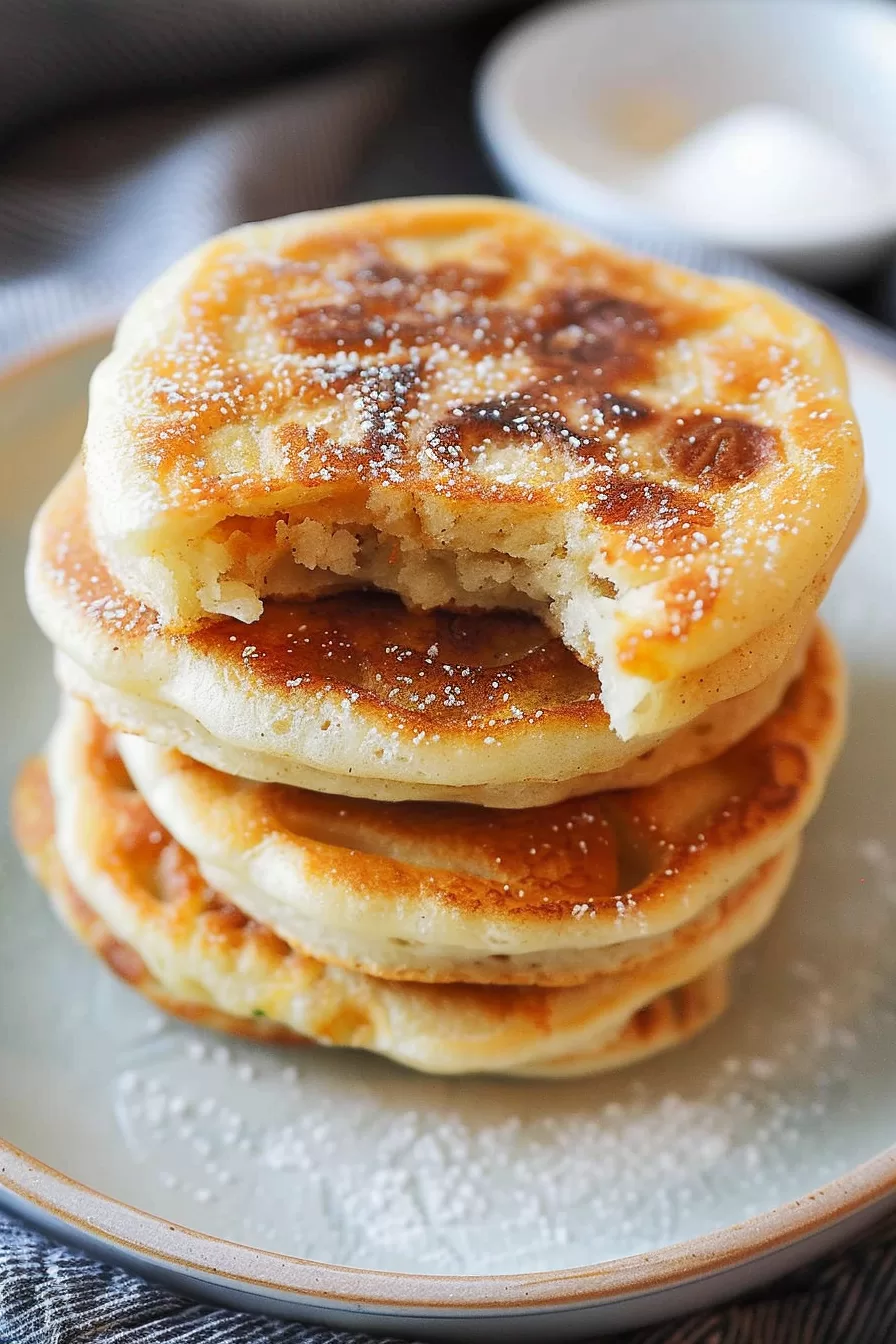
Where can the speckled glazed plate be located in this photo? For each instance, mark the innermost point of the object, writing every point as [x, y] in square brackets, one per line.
[339, 1188]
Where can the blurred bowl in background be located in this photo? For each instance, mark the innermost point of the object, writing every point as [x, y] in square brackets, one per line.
[765, 126]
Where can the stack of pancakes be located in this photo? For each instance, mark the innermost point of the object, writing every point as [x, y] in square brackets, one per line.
[434, 605]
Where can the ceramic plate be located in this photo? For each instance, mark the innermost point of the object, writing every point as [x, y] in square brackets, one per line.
[341, 1188]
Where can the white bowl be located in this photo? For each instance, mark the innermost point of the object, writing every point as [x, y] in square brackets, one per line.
[566, 94]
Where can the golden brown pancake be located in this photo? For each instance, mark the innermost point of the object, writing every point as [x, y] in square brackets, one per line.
[436, 893]
[163, 925]
[473, 405]
[353, 695]
[667, 1021]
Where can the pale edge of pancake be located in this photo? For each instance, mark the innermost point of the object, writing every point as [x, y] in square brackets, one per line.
[396, 893]
[452, 1029]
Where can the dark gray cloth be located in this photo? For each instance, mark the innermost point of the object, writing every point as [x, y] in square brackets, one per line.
[225, 112]
[98, 199]
[50, 1293]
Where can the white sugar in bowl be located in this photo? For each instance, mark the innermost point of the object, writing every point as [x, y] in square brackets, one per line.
[765, 126]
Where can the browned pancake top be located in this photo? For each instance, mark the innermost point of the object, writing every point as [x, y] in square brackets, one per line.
[513, 341]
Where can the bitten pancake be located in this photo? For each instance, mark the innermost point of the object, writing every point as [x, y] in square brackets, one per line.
[470, 404]
[353, 695]
[148, 892]
[550, 896]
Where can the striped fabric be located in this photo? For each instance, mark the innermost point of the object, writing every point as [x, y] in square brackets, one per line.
[50, 1293]
[91, 206]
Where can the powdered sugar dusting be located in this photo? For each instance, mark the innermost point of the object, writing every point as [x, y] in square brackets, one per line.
[370, 1165]
[400, 1172]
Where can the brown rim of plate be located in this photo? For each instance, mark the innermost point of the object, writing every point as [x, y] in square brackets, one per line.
[169, 1246]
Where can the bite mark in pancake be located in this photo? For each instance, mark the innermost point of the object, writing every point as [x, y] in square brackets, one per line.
[352, 694]
[442, 670]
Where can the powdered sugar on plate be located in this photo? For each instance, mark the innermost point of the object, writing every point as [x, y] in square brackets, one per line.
[345, 1158]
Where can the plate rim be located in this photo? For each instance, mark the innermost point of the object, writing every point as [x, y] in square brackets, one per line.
[154, 1240]
[128, 1230]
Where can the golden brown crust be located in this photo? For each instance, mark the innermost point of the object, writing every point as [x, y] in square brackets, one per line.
[354, 694]
[665, 1022]
[422, 892]
[214, 967]
[586, 330]
[33, 826]
[465, 359]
